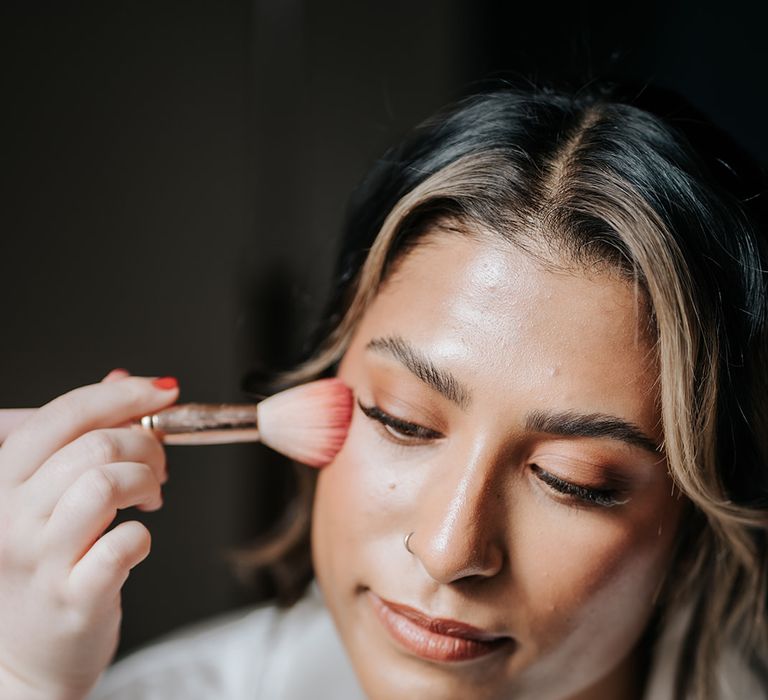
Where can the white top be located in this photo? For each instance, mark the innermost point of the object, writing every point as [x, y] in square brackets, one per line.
[269, 653]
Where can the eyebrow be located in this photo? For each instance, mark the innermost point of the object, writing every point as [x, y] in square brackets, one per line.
[441, 381]
[565, 423]
[590, 425]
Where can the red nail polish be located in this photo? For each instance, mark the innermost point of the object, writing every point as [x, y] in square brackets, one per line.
[165, 382]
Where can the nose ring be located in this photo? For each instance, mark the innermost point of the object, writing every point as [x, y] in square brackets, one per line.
[407, 542]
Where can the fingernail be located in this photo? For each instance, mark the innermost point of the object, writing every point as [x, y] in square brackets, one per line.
[165, 383]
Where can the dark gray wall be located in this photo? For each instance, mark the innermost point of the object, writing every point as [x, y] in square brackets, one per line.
[175, 179]
[176, 173]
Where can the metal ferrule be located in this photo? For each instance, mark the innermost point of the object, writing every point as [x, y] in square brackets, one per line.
[204, 424]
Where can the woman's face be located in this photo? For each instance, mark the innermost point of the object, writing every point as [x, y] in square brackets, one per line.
[506, 418]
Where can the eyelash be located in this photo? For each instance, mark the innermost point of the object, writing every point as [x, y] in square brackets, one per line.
[606, 498]
[405, 432]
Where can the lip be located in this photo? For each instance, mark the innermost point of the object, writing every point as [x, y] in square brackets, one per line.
[434, 639]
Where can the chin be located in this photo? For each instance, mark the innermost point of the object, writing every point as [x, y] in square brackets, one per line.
[395, 680]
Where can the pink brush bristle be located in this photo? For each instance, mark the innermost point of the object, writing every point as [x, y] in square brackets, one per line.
[307, 423]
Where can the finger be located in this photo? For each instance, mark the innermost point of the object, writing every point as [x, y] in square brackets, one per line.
[12, 418]
[45, 487]
[100, 574]
[86, 408]
[87, 507]
[114, 376]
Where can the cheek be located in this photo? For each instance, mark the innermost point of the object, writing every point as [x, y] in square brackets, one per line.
[360, 499]
[371, 477]
[594, 589]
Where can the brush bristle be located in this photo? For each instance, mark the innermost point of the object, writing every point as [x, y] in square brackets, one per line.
[307, 423]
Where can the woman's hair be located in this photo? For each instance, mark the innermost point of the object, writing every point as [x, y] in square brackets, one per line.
[591, 181]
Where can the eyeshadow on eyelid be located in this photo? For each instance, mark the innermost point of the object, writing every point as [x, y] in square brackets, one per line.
[410, 412]
[593, 473]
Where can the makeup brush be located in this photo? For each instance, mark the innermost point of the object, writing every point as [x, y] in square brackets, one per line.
[307, 423]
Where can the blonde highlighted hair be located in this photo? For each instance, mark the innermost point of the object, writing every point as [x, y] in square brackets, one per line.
[591, 182]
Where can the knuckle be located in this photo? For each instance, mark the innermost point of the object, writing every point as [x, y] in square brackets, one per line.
[16, 560]
[102, 484]
[57, 465]
[102, 446]
[114, 557]
[8, 552]
[145, 473]
[16, 439]
[150, 446]
[153, 489]
[75, 623]
[18, 544]
[160, 466]
[56, 591]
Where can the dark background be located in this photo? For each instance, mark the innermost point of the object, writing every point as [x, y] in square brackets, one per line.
[175, 175]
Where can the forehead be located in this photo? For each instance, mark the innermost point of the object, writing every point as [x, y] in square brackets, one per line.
[500, 321]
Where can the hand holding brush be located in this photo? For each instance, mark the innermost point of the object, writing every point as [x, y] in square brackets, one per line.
[65, 470]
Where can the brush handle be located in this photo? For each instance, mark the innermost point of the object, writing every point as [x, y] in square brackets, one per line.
[182, 424]
[205, 424]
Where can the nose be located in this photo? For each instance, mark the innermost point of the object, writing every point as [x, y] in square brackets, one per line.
[459, 529]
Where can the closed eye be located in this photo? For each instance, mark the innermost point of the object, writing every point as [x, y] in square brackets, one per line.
[584, 495]
[402, 431]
